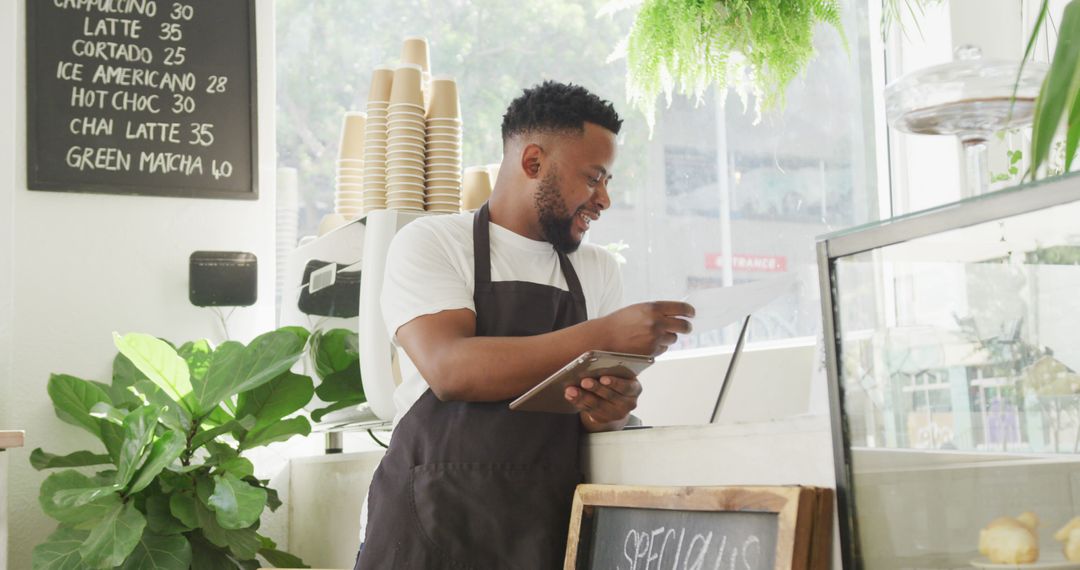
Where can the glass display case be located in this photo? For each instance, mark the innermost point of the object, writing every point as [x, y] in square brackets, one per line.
[953, 363]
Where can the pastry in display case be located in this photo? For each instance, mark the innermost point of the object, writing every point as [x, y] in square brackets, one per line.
[954, 369]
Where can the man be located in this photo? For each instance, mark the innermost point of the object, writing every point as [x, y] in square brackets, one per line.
[486, 306]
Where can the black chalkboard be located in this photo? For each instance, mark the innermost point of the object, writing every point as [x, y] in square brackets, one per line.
[636, 539]
[699, 528]
[148, 97]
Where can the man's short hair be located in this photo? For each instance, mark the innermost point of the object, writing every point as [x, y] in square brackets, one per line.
[554, 107]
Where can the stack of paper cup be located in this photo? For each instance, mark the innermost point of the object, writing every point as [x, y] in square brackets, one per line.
[349, 194]
[414, 50]
[405, 141]
[442, 166]
[476, 188]
[288, 221]
[375, 139]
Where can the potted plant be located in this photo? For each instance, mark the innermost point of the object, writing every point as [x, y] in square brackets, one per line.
[1059, 98]
[173, 490]
[755, 46]
[335, 360]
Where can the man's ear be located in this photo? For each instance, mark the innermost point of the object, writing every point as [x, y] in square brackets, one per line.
[532, 158]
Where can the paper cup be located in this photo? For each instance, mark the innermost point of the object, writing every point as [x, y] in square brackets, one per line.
[415, 50]
[403, 135]
[406, 108]
[382, 79]
[475, 187]
[351, 143]
[406, 86]
[444, 98]
[452, 174]
[405, 157]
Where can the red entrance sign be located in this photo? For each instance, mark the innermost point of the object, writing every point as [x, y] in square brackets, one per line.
[763, 263]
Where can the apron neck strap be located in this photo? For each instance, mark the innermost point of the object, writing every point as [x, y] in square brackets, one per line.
[482, 245]
[482, 256]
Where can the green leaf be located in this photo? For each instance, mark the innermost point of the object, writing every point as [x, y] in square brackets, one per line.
[342, 385]
[163, 452]
[273, 501]
[1072, 132]
[74, 498]
[158, 361]
[41, 460]
[73, 398]
[237, 504]
[320, 413]
[182, 506]
[206, 556]
[1058, 87]
[114, 538]
[159, 517]
[159, 552]
[236, 368]
[77, 515]
[279, 431]
[334, 351]
[197, 354]
[275, 399]
[112, 436]
[281, 559]
[218, 416]
[238, 466]
[204, 436]
[173, 416]
[139, 428]
[105, 411]
[243, 543]
[60, 551]
[124, 377]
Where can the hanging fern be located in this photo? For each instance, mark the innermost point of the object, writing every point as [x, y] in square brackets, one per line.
[753, 46]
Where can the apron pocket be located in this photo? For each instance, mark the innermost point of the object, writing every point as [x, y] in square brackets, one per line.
[494, 515]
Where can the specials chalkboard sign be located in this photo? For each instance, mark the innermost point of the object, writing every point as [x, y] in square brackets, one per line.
[149, 97]
[704, 528]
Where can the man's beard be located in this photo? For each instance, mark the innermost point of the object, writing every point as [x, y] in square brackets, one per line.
[555, 219]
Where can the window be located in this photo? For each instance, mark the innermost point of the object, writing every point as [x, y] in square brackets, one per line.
[710, 200]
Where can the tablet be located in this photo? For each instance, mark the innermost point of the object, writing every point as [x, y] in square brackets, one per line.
[548, 396]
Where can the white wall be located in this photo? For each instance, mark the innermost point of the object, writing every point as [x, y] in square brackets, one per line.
[7, 181]
[85, 265]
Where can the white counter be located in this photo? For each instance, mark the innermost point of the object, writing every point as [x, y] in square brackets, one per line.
[8, 440]
[325, 493]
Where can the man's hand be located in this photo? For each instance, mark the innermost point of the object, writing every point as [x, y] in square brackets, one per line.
[647, 328]
[605, 403]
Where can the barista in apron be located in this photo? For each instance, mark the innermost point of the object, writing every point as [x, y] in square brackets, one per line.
[477, 471]
[467, 483]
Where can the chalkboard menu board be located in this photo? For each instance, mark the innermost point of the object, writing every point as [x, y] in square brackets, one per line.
[149, 97]
[648, 538]
[702, 528]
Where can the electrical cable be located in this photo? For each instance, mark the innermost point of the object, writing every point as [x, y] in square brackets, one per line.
[372, 434]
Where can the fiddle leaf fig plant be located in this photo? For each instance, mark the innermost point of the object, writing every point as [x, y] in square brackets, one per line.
[335, 355]
[755, 46]
[172, 489]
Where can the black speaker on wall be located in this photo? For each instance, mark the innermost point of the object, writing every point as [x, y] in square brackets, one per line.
[223, 278]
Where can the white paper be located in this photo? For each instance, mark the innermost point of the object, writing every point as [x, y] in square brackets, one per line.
[717, 307]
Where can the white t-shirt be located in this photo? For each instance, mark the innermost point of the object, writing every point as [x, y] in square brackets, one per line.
[429, 268]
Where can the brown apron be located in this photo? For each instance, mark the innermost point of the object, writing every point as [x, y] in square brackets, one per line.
[473, 485]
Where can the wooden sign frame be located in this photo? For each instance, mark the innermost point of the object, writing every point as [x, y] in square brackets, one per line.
[804, 514]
